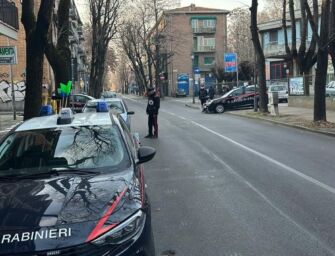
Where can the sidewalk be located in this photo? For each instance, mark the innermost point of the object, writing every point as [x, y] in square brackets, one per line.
[7, 122]
[301, 118]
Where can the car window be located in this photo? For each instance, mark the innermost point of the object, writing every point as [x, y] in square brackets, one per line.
[117, 106]
[81, 99]
[237, 92]
[83, 147]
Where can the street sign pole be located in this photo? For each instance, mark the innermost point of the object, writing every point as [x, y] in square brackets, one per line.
[236, 70]
[13, 92]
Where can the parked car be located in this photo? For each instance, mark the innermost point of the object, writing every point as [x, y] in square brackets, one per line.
[74, 185]
[116, 105]
[108, 94]
[330, 89]
[282, 92]
[78, 101]
[242, 97]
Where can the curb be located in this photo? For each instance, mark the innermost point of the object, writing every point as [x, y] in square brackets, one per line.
[192, 106]
[332, 134]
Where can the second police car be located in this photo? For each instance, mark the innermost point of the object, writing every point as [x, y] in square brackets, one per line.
[74, 186]
[242, 97]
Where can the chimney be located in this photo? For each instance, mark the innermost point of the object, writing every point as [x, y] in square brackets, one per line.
[192, 7]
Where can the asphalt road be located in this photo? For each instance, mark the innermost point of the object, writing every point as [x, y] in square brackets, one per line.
[222, 185]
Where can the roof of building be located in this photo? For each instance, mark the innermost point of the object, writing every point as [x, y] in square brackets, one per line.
[197, 9]
[82, 119]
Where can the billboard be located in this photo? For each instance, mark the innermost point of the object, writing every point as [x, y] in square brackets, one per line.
[230, 62]
[297, 86]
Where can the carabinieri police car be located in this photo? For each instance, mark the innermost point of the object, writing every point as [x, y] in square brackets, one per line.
[238, 98]
[74, 185]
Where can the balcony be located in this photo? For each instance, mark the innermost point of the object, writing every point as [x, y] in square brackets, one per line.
[9, 14]
[204, 49]
[211, 30]
[278, 49]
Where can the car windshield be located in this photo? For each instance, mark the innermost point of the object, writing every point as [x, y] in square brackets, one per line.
[113, 105]
[108, 94]
[82, 147]
[277, 88]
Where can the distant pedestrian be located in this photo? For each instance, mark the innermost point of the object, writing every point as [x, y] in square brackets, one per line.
[202, 95]
[211, 92]
[152, 112]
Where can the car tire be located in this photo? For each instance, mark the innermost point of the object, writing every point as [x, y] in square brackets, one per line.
[219, 108]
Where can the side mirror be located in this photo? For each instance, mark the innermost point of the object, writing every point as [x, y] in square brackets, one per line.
[145, 154]
[130, 112]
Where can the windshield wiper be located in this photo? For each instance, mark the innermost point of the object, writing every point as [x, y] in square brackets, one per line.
[65, 170]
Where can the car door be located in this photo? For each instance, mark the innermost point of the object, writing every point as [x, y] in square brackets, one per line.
[236, 98]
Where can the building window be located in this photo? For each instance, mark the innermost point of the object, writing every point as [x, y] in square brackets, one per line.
[209, 60]
[277, 71]
[209, 42]
[274, 37]
[194, 23]
[209, 23]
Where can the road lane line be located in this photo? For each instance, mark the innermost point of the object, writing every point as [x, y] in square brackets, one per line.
[265, 198]
[271, 160]
[261, 155]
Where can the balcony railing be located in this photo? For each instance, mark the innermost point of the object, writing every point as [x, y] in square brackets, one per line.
[204, 49]
[9, 14]
[278, 49]
[204, 30]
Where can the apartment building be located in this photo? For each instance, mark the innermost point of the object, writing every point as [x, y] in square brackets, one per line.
[194, 40]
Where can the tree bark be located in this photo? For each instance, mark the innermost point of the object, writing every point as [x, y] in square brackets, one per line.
[260, 59]
[36, 32]
[322, 65]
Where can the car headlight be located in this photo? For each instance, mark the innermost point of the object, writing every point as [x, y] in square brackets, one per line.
[209, 102]
[124, 231]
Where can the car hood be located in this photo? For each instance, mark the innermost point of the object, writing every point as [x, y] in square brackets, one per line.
[63, 210]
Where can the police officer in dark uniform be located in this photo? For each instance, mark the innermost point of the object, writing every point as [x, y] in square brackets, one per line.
[202, 96]
[152, 112]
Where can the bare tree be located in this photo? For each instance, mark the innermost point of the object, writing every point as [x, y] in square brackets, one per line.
[104, 21]
[239, 36]
[272, 11]
[36, 29]
[132, 44]
[59, 55]
[322, 39]
[304, 58]
[260, 58]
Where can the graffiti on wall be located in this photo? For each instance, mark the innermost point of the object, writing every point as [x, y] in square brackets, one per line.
[6, 91]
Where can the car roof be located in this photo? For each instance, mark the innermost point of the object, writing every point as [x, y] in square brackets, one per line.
[81, 119]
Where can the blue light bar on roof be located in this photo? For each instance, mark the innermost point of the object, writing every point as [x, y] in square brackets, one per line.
[46, 110]
[102, 106]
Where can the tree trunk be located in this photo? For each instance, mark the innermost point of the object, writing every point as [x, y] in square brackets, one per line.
[260, 59]
[34, 66]
[322, 66]
[36, 31]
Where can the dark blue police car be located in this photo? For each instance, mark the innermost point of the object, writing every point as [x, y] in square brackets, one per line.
[242, 97]
[74, 186]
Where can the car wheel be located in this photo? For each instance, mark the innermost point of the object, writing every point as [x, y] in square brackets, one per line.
[219, 108]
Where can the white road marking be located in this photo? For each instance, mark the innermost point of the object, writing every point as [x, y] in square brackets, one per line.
[266, 199]
[271, 160]
[261, 155]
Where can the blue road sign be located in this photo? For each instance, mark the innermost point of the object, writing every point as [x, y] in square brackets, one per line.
[230, 62]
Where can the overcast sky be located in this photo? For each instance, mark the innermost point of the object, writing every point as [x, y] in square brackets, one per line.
[218, 4]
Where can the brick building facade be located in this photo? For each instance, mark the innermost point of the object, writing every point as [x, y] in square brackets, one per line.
[195, 38]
